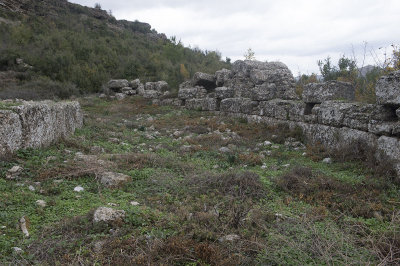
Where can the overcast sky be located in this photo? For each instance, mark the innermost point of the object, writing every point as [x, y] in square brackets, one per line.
[295, 32]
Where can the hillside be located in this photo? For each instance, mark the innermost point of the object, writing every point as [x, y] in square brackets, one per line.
[67, 48]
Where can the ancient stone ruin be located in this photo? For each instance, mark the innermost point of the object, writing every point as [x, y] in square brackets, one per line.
[36, 124]
[326, 112]
[265, 92]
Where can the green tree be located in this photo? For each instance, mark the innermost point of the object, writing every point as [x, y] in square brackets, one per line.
[249, 55]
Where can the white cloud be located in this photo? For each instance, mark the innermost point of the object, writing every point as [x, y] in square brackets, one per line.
[297, 33]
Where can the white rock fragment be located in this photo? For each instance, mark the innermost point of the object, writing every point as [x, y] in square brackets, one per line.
[230, 238]
[22, 224]
[17, 250]
[134, 203]
[14, 172]
[78, 189]
[107, 214]
[31, 188]
[327, 160]
[41, 203]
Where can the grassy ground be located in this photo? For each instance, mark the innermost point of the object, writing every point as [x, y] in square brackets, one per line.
[279, 205]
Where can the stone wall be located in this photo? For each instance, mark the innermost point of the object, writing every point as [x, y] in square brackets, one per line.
[326, 112]
[36, 124]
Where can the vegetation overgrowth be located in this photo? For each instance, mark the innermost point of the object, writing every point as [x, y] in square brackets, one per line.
[260, 203]
[74, 49]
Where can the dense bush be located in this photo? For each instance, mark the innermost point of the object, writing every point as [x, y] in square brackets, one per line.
[70, 43]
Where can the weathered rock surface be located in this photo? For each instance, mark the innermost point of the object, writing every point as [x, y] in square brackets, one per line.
[189, 93]
[160, 86]
[327, 91]
[117, 84]
[202, 104]
[37, 124]
[388, 89]
[111, 179]
[205, 80]
[222, 76]
[105, 214]
[237, 105]
[224, 92]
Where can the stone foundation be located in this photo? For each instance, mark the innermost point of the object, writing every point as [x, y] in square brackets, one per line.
[36, 124]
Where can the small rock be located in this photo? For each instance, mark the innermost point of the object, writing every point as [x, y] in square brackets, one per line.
[17, 250]
[111, 179]
[120, 96]
[224, 150]
[78, 189]
[178, 133]
[31, 188]
[216, 166]
[96, 150]
[134, 203]
[327, 160]
[14, 172]
[263, 166]
[41, 203]
[304, 154]
[230, 238]
[112, 204]
[185, 148]
[275, 146]
[107, 214]
[267, 143]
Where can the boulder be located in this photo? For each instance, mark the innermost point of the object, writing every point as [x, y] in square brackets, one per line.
[135, 83]
[151, 94]
[128, 91]
[40, 124]
[202, 104]
[160, 86]
[237, 105]
[10, 132]
[205, 80]
[117, 84]
[105, 214]
[224, 92]
[194, 92]
[120, 96]
[327, 91]
[271, 80]
[222, 76]
[388, 148]
[111, 179]
[387, 89]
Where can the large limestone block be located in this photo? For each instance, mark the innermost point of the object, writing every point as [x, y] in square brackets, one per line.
[224, 92]
[205, 80]
[203, 104]
[117, 84]
[388, 148]
[37, 124]
[283, 109]
[237, 105]
[160, 86]
[388, 89]
[10, 132]
[222, 76]
[189, 93]
[327, 91]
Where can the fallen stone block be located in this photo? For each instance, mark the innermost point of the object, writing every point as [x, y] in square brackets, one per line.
[387, 89]
[328, 91]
